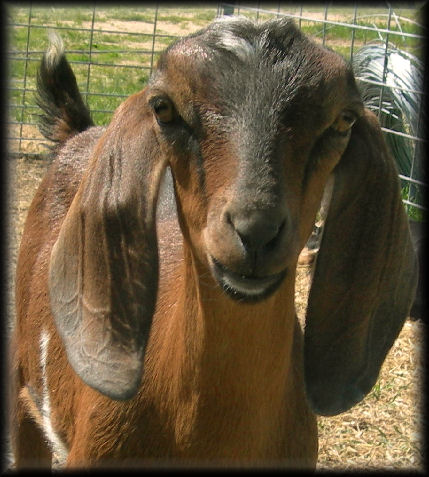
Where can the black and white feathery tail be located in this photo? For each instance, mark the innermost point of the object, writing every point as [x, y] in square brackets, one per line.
[64, 112]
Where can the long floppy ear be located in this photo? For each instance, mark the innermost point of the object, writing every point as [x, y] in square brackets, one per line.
[103, 275]
[365, 276]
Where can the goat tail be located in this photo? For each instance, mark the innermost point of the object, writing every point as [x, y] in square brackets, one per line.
[64, 112]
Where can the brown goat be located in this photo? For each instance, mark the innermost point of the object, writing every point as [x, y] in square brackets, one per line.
[164, 331]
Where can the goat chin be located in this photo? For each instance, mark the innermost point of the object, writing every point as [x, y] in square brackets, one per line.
[156, 274]
[245, 288]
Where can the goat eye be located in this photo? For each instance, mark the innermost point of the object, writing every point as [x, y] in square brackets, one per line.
[344, 122]
[164, 110]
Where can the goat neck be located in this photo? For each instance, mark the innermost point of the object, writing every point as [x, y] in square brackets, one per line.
[231, 367]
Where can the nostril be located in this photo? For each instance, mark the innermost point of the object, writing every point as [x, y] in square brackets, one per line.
[228, 219]
[271, 244]
[258, 230]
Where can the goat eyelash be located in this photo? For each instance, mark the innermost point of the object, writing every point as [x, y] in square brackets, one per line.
[163, 109]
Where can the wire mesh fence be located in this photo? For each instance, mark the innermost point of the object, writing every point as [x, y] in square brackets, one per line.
[113, 52]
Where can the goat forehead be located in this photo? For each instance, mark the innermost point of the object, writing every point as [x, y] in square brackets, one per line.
[231, 67]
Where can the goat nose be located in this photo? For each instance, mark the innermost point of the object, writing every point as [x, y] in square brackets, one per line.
[259, 229]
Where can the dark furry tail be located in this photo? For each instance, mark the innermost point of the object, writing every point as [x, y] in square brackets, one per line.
[64, 112]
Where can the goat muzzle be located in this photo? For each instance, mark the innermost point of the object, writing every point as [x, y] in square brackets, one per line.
[249, 249]
[245, 288]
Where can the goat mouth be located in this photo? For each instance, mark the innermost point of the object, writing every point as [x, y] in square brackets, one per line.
[245, 288]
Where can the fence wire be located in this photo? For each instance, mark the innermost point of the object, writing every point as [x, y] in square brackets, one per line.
[113, 51]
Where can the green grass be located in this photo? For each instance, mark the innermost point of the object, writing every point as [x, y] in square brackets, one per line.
[111, 50]
[133, 13]
[113, 53]
[105, 46]
[107, 50]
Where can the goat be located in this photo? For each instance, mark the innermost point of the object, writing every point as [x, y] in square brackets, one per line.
[419, 307]
[163, 331]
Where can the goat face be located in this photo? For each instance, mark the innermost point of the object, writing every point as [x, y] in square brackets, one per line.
[253, 122]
